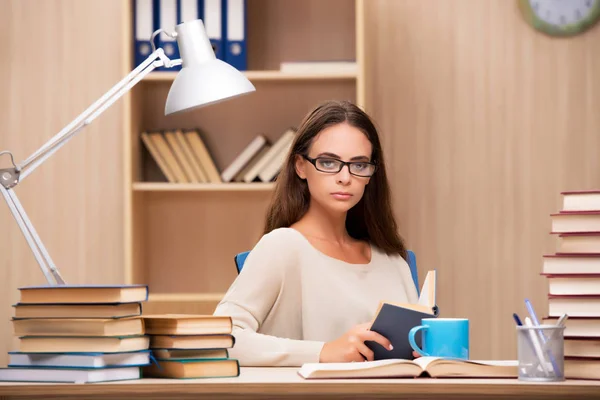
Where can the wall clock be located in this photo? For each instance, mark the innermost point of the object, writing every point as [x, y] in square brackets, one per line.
[561, 17]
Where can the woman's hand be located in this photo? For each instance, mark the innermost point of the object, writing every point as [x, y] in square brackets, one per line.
[351, 346]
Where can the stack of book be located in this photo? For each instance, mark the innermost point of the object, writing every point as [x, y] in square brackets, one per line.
[573, 276]
[183, 157]
[190, 346]
[78, 334]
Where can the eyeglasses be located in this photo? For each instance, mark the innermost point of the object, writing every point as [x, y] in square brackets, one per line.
[329, 165]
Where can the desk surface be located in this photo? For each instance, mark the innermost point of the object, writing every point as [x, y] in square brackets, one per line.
[285, 382]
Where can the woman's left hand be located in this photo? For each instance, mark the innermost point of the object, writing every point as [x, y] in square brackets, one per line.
[416, 355]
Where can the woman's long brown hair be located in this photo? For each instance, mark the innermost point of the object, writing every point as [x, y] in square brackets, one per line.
[371, 219]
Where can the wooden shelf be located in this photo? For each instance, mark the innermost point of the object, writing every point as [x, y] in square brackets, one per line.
[258, 76]
[183, 297]
[202, 187]
[181, 237]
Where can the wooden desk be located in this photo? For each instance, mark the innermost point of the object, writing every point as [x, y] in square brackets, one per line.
[274, 383]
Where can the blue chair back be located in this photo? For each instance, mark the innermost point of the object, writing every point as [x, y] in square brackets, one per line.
[240, 258]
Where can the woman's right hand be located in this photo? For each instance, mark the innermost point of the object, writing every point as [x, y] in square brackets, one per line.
[351, 346]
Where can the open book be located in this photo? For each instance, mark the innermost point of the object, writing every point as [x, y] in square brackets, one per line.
[433, 367]
[395, 320]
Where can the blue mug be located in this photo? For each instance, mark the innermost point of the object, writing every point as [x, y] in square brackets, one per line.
[442, 337]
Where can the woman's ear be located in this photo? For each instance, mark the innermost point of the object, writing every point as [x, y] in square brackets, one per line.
[299, 165]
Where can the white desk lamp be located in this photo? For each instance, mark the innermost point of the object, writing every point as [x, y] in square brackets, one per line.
[203, 80]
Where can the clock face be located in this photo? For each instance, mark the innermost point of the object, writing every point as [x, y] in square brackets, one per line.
[561, 17]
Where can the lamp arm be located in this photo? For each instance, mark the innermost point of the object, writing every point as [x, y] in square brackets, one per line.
[156, 59]
[10, 177]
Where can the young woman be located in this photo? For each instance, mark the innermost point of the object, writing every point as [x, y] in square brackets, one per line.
[329, 254]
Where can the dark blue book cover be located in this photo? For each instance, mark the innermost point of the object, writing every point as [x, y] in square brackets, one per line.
[394, 323]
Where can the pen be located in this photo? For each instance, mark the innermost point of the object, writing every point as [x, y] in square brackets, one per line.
[517, 319]
[561, 321]
[536, 346]
[536, 323]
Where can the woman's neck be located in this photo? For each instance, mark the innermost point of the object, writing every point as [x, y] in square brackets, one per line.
[322, 224]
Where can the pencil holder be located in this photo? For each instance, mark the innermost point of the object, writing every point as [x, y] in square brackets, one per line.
[541, 353]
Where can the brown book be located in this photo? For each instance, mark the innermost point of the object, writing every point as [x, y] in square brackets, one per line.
[83, 294]
[181, 157]
[192, 342]
[189, 154]
[79, 327]
[582, 368]
[187, 324]
[181, 369]
[35, 344]
[583, 347]
[190, 354]
[160, 161]
[203, 156]
[77, 310]
[160, 143]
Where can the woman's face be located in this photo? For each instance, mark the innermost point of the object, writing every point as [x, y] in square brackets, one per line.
[336, 191]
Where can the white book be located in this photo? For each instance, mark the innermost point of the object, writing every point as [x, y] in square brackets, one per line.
[70, 375]
[400, 368]
[264, 162]
[276, 163]
[243, 158]
[80, 360]
[323, 67]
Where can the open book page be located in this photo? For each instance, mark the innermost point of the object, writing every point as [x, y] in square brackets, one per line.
[448, 367]
[426, 301]
[397, 368]
[427, 296]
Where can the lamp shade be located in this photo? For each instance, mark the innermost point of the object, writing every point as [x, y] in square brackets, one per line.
[203, 78]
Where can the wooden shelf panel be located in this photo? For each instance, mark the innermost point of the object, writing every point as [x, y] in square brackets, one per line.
[186, 241]
[201, 187]
[257, 76]
[306, 30]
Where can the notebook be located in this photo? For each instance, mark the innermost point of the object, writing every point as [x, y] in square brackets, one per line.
[433, 367]
[395, 320]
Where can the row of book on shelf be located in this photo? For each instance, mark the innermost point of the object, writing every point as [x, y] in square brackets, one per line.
[83, 334]
[183, 157]
[573, 277]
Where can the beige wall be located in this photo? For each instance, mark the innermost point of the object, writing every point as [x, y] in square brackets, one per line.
[484, 121]
[58, 58]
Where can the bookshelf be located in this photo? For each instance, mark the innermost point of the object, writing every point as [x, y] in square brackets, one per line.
[180, 239]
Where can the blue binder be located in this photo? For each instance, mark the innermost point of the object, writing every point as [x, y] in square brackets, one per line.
[190, 10]
[143, 26]
[167, 17]
[234, 33]
[213, 23]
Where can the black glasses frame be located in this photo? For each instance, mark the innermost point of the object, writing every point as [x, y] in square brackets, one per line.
[313, 161]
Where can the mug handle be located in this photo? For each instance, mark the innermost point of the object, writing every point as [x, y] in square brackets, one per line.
[411, 339]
